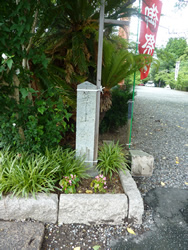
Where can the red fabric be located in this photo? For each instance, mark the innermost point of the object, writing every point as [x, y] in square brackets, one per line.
[148, 31]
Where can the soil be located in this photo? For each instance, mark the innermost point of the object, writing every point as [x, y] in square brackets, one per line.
[113, 186]
[117, 135]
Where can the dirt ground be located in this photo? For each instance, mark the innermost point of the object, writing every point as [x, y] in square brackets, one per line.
[118, 135]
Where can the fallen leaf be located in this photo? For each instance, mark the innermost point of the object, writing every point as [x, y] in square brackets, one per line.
[177, 160]
[77, 248]
[186, 183]
[162, 184]
[96, 247]
[79, 191]
[130, 230]
[164, 158]
[150, 133]
[89, 191]
[186, 145]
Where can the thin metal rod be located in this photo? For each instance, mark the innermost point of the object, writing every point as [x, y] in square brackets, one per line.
[99, 73]
[138, 26]
[117, 22]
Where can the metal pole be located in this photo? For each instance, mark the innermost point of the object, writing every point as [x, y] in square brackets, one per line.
[134, 82]
[99, 71]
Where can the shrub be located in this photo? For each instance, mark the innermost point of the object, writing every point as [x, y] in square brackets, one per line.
[111, 159]
[43, 123]
[117, 115]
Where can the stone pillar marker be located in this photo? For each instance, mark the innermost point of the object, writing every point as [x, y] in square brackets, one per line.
[85, 124]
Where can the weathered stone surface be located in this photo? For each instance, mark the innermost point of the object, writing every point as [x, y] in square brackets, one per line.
[85, 123]
[141, 163]
[21, 235]
[92, 208]
[135, 201]
[44, 208]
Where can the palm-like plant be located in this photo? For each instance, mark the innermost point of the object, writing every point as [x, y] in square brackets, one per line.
[71, 46]
[117, 65]
[70, 41]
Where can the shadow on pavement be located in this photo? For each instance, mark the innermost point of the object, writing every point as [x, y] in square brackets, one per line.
[170, 206]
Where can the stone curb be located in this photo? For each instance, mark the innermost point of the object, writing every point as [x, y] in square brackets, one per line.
[93, 209]
[78, 208]
[44, 208]
[135, 201]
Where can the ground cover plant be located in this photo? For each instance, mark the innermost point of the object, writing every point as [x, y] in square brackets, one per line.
[22, 174]
[58, 171]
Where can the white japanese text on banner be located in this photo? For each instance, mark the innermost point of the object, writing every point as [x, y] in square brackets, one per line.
[151, 9]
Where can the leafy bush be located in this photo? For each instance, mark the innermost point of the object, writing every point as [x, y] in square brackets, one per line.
[117, 115]
[43, 123]
[111, 159]
[21, 174]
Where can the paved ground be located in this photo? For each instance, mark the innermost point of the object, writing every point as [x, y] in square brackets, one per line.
[21, 235]
[170, 214]
[160, 128]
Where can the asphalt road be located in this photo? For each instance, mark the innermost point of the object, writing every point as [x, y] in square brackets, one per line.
[160, 127]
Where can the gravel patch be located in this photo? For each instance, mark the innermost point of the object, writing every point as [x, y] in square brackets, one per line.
[160, 128]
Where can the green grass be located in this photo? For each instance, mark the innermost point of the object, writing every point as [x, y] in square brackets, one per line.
[22, 174]
[111, 159]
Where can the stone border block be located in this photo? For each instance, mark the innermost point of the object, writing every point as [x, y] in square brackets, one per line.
[135, 201]
[44, 208]
[92, 209]
[142, 163]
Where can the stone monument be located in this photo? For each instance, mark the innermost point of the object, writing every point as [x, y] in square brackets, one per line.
[85, 124]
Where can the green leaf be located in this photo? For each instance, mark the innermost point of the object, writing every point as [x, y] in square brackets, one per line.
[96, 247]
[24, 92]
[9, 63]
[32, 90]
[2, 68]
[41, 109]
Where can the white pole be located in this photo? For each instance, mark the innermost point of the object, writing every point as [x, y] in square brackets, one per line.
[99, 72]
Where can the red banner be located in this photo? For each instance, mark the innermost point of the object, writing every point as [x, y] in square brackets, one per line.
[151, 9]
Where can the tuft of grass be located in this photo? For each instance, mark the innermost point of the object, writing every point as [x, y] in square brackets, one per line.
[68, 163]
[111, 158]
[22, 174]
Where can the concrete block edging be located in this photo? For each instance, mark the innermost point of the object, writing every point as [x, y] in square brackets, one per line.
[88, 209]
